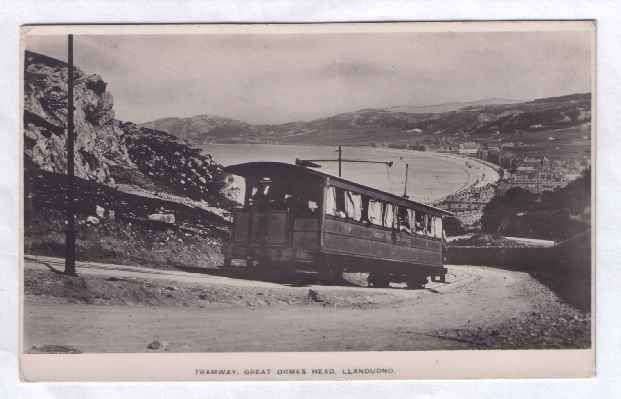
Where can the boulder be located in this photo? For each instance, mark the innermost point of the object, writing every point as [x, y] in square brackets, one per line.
[163, 217]
[155, 345]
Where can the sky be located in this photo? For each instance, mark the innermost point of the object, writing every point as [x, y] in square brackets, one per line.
[277, 78]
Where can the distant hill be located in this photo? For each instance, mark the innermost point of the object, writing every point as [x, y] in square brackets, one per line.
[393, 125]
[452, 106]
[202, 128]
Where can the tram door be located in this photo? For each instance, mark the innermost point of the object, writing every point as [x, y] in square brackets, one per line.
[283, 216]
[268, 218]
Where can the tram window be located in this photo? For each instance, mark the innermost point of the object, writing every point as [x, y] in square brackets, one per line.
[364, 209]
[353, 205]
[428, 226]
[403, 219]
[340, 203]
[420, 222]
[375, 212]
[300, 206]
[335, 204]
[389, 215]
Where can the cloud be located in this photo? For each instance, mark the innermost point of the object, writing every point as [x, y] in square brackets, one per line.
[278, 78]
[354, 70]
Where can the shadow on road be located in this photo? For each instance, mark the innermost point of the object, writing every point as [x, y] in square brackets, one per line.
[290, 279]
[46, 264]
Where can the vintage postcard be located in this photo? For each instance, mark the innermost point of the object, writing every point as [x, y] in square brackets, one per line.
[308, 201]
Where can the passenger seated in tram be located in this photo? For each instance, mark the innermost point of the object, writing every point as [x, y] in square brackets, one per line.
[364, 211]
[403, 219]
[375, 212]
[419, 221]
[336, 203]
[340, 203]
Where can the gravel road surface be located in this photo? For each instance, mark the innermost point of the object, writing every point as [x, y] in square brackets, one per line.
[112, 308]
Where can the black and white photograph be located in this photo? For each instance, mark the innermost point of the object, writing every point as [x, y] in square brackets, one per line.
[308, 188]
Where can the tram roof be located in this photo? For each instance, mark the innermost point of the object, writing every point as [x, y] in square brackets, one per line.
[259, 169]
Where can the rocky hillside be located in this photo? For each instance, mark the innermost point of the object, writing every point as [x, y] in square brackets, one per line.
[108, 151]
[395, 124]
[98, 143]
[143, 197]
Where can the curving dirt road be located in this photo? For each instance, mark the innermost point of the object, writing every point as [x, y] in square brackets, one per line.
[200, 312]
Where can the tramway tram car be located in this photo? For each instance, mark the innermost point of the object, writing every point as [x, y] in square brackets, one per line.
[303, 219]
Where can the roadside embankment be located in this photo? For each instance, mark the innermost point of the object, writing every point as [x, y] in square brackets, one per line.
[565, 267]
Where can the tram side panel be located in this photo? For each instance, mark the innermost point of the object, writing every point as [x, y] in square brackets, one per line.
[384, 248]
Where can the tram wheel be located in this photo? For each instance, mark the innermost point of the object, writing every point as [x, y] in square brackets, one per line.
[331, 275]
[416, 282]
[332, 271]
[377, 280]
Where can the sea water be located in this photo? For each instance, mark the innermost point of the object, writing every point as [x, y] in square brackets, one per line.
[431, 176]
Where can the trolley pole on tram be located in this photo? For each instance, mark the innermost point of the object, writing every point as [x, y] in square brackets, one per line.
[311, 163]
[70, 232]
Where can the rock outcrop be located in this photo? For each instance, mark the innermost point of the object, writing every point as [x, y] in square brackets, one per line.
[107, 150]
[98, 142]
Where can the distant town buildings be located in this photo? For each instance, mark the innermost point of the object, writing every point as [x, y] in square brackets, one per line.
[467, 205]
[468, 148]
[536, 159]
[523, 168]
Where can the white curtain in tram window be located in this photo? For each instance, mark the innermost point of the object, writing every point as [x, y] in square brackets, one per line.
[438, 227]
[353, 205]
[389, 215]
[375, 212]
[331, 201]
[411, 220]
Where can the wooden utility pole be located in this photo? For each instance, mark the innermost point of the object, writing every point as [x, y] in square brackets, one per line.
[405, 188]
[340, 159]
[70, 232]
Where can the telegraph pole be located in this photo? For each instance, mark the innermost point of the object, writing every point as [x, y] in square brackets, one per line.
[340, 159]
[70, 232]
[405, 189]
